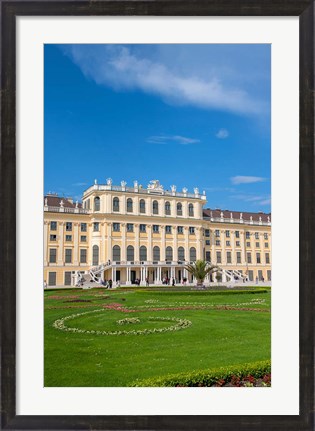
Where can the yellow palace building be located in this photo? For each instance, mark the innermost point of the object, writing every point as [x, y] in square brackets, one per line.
[130, 234]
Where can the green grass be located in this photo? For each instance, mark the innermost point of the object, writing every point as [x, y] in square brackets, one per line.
[216, 338]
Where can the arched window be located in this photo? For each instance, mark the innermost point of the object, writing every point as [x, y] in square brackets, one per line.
[130, 253]
[156, 253]
[179, 209]
[191, 210]
[169, 254]
[97, 203]
[167, 208]
[142, 206]
[116, 253]
[129, 205]
[143, 252]
[95, 255]
[116, 204]
[181, 253]
[155, 207]
[192, 254]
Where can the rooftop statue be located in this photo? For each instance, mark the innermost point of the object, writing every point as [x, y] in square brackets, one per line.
[155, 185]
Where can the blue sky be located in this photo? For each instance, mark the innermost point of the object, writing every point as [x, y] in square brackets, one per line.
[189, 115]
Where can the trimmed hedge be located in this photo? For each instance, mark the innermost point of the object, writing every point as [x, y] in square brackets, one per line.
[205, 292]
[207, 377]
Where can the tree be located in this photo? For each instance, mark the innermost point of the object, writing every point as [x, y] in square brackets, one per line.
[200, 269]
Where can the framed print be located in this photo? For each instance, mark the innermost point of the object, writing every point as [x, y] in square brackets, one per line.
[141, 301]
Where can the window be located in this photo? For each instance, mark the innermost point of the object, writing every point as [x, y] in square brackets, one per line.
[129, 227]
[52, 279]
[68, 226]
[268, 274]
[249, 258]
[238, 257]
[116, 204]
[208, 256]
[155, 207]
[191, 210]
[129, 205]
[169, 254]
[130, 253]
[207, 241]
[168, 229]
[96, 226]
[237, 234]
[260, 275]
[156, 253]
[87, 204]
[248, 244]
[116, 227]
[219, 260]
[167, 208]
[83, 238]
[265, 236]
[228, 243]
[143, 228]
[97, 203]
[181, 253]
[83, 227]
[52, 255]
[228, 257]
[68, 238]
[53, 237]
[68, 255]
[256, 235]
[207, 233]
[258, 258]
[53, 225]
[179, 209]
[116, 253]
[95, 254]
[227, 233]
[266, 245]
[67, 278]
[143, 253]
[251, 275]
[238, 244]
[247, 235]
[192, 254]
[267, 256]
[257, 244]
[217, 242]
[82, 255]
[142, 206]
[191, 230]
[180, 229]
[217, 233]
[156, 228]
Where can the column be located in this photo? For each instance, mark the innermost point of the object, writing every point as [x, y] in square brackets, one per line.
[60, 242]
[242, 242]
[123, 242]
[175, 246]
[223, 247]
[186, 236]
[199, 243]
[76, 244]
[149, 249]
[163, 246]
[137, 242]
[103, 243]
[234, 260]
[46, 238]
[128, 273]
[109, 242]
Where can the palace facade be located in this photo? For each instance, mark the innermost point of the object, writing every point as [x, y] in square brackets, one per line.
[128, 233]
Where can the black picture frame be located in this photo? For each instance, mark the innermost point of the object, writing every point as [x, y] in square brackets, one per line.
[9, 11]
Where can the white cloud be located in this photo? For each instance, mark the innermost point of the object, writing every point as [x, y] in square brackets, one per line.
[120, 68]
[222, 134]
[244, 179]
[79, 184]
[265, 202]
[255, 200]
[182, 140]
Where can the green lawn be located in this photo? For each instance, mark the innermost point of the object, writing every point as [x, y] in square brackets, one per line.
[226, 329]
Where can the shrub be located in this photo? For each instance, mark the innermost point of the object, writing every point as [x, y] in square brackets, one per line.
[209, 377]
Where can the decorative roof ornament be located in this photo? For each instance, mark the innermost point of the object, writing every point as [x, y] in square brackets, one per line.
[231, 215]
[241, 216]
[155, 186]
[196, 191]
[77, 204]
[61, 203]
[109, 181]
[221, 215]
[95, 182]
[123, 183]
[268, 218]
[185, 190]
[135, 184]
[46, 202]
[173, 188]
